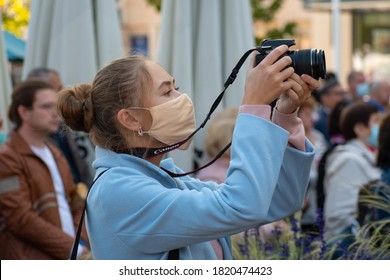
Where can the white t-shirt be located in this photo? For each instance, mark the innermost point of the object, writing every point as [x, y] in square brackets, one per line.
[63, 206]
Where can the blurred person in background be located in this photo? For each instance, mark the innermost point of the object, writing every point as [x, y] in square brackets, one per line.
[330, 94]
[219, 134]
[379, 95]
[72, 144]
[348, 168]
[309, 211]
[39, 203]
[330, 76]
[336, 138]
[49, 75]
[383, 158]
[380, 188]
[3, 133]
[354, 79]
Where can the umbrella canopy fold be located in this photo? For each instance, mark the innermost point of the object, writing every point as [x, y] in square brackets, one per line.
[74, 37]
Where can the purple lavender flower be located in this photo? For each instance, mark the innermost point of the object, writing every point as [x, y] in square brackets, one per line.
[285, 252]
[321, 231]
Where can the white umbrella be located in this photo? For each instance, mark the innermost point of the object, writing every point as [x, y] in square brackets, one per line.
[74, 37]
[5, 82]
[200, 43]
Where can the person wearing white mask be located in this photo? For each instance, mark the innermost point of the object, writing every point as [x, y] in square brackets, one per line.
[138, 208]
[348, 168]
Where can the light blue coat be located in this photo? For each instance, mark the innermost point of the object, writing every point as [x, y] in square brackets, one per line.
[137, 211]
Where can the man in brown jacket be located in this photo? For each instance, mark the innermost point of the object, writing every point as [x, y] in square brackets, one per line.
[75, 145]
[39, 208]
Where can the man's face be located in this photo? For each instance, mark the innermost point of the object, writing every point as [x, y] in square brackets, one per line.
[359, 79]
[334, 96]
[383, 93]
[42, 117]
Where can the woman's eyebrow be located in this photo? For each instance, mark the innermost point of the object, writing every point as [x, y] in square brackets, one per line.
[166, 83]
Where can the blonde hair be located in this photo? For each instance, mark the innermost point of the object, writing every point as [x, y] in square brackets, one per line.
[308, 103]
[220, 131]
[93, 108]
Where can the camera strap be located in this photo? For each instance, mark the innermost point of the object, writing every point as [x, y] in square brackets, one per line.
[143, 152]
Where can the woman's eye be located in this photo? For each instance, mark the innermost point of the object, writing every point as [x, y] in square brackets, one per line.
[170, 91]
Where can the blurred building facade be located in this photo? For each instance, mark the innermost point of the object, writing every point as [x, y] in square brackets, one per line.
[364, 28]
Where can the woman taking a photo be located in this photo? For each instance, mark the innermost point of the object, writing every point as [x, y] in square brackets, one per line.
[134, 113]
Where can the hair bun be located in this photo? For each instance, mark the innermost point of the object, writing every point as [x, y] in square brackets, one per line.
[75, 107]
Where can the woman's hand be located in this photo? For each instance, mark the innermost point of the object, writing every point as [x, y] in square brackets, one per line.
[299, 92]
[266, 81]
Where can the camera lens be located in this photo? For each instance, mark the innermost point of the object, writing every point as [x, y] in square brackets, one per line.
[310, 62]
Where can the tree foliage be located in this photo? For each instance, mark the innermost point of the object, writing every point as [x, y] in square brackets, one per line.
[264, 11]
[156, 4]
[15, 15]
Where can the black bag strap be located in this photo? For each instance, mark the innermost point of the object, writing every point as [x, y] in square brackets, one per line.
[172, 255]
[321, 177]
[73, 255]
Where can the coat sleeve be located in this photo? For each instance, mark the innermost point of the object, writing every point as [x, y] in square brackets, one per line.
[152, 216]
[292, 183]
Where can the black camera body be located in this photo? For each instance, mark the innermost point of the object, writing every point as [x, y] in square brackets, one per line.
[308, 61]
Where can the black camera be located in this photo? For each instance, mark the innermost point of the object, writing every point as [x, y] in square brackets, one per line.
[309, 61]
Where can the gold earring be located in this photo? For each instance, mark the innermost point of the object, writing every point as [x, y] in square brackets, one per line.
[140, 132]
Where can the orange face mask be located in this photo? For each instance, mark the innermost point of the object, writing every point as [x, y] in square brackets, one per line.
[173, 121]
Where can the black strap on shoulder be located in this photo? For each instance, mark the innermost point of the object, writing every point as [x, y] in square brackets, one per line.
[321, 177]
[73, 255]
[174, 254]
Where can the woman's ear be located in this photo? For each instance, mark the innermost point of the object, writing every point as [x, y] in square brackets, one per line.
[128, 120]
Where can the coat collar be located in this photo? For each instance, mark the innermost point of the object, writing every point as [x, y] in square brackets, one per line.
[17, 143]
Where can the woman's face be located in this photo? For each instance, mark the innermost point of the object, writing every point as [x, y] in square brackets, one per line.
[375, 119]
[162, 90]
[163, 87]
